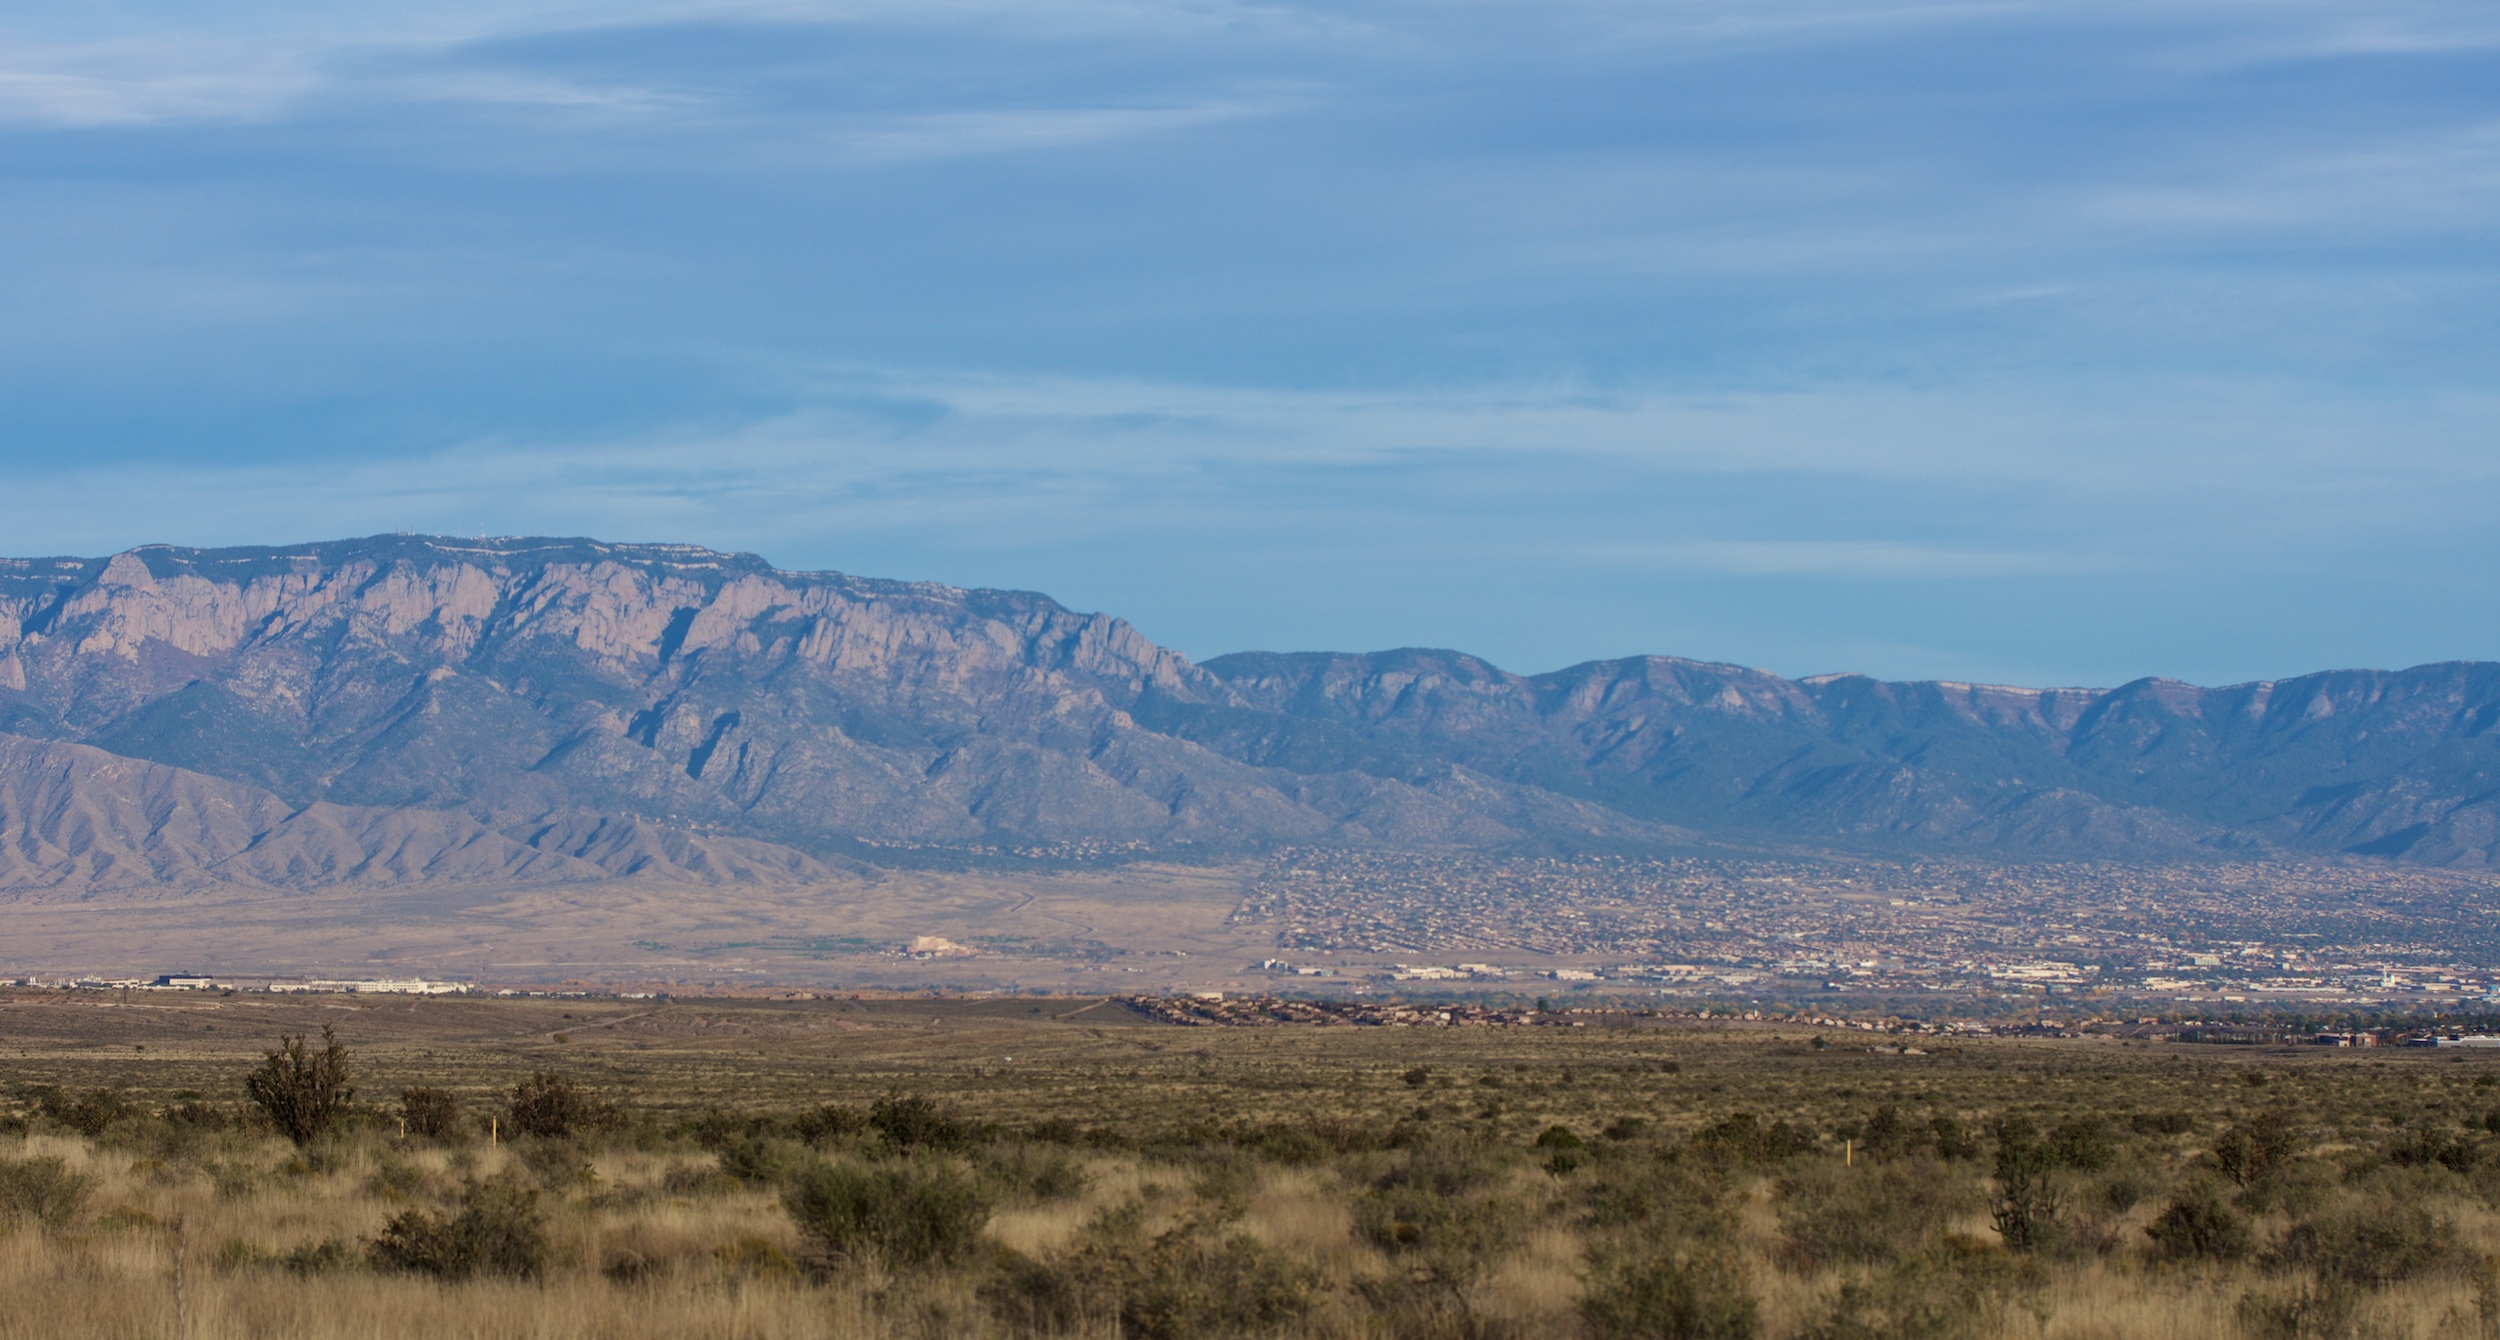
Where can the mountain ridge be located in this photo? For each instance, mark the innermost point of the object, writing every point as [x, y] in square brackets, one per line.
[700, 700]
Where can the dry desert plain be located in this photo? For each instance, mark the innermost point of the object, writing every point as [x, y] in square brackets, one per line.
[1058, 1166]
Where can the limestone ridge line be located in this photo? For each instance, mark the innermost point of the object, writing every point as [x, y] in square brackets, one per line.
[418, 708]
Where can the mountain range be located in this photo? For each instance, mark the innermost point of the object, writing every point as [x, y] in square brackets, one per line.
[407, 708]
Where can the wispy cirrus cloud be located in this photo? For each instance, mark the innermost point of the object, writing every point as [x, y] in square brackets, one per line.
[1014, 129]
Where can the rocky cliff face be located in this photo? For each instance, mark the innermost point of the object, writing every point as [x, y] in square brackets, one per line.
[566, 709]
[526, 684]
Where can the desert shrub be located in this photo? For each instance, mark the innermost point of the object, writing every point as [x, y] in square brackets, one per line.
[241, 1254]
[829, 1122]
[2311, 1310]
[2121, 1191]
[1563, 1149]
[397, 1179]
[908, 1122]
[90, 1114]
[1193, 1282]
[551, 1106]
[1033, 1172]
[1953, 1139]
[690, 1179]
[2371, 1243]
[430, 1114]
[1668, 1295]
[303, 1092]
[329, 1256]
[43, 1190]
[1626, 1128]
[910, 1211]
[2082, 1143]
[559, 1165]
[2431, 1147]
[1885, 1135]
[2198, 1226]
[193, 1117]
[1428, 1195]
[1189, 1281]
[1662, 1200]
[2027, 1205]
[1438, 1213]
[1743, 1136]
[495, 1228]
[1296, 1145]
[756, 1257]
[1954, 1292]
[757, 1160]
[2161, 1123]
[2254, 1150]
[1872, 1213]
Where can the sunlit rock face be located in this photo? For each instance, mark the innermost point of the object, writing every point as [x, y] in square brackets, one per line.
[415, 708]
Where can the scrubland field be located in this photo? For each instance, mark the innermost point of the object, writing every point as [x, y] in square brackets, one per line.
[1043, 1168]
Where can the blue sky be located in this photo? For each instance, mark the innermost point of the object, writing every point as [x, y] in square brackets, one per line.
[2032, 342]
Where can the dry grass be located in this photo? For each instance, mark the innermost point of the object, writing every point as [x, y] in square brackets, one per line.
[1280, 1139]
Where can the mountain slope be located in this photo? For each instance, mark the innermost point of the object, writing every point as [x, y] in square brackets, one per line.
[692, 714]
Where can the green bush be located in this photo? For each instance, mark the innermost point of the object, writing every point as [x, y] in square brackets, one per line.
[910, 1122]
[757, 1160]
[1626, 1128]
[43, 1190]
[829, 1122]
[1662, 1200]
[551, 1106]
[1558, 1137]
[2371, 1243]
[1033, 1172]
[1954, 1292]
[2432, 1147]
[909, 1211]
[494, 1229]
[1669, 1295]
[429, 1114]
[2253, 1151]
[2161, 1123]
[2082, 1143]
[1743, 1136]
[559, 1165]
[303, 1092]
[90, 1114]
[2198, 1226]
[1953, 1139]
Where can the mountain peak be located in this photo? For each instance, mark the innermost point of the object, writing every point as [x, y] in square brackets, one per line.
[511, 682]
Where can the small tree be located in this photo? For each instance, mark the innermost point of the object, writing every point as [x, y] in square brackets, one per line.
[2028, 1201]
[302, 1091]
